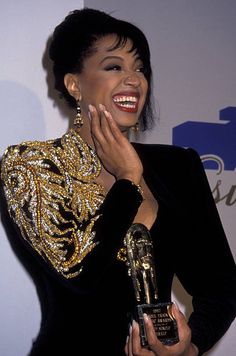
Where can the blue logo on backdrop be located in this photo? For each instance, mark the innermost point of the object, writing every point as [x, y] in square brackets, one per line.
[216, 144]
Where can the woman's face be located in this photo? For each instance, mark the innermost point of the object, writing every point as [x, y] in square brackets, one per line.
[115, 79]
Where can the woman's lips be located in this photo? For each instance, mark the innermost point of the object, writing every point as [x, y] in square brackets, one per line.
[127, 102]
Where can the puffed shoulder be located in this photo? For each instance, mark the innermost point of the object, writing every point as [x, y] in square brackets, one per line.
[170, 155]
[170, 169]
[52, 198]
[57, 206]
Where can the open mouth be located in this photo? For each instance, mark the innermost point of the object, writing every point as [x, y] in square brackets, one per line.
[128, 103]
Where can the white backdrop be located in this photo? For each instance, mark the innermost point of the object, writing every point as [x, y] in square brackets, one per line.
[26, 112]
[193, 54]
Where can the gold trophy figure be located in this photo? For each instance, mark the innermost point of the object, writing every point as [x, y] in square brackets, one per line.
[141, 268]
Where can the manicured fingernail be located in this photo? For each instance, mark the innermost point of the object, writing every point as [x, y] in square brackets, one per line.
[101, 107]
[134, 324]
[174, 310]
[106, 113]
[130, 329]
[91, 108]
[176, 305]
[145, 317]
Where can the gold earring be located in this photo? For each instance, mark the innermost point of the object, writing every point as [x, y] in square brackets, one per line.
[78, 121]
[135, 128]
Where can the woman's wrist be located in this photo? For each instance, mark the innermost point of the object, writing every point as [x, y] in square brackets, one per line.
[134, 178]
[134, 184]
[134, 181]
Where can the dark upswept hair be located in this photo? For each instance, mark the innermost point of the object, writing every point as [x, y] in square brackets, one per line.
[73, 41]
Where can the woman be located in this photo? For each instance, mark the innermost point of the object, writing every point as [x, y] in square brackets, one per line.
[73, 199]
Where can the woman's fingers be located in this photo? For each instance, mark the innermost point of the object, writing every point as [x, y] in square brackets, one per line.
[133, 346]
[113, 127]
[114, 149]
[184, 336]
[183, 328]
[129, 340]
[135, 341]
[105, 118]
[100, 125]
[153, 342]
[103, 123]
[95, 123]
[156, 348]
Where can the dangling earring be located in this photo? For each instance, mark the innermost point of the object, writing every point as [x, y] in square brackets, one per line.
[78, 121]
[135, 128]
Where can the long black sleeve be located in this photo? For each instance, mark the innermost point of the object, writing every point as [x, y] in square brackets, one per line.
[189, 240]
[66, 222]
[115, 216]
[206, 265]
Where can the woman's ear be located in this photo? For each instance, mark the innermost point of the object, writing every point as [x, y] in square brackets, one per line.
[71, 82]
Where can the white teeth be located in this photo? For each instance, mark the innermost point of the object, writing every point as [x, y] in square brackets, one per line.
[129, 99]
[132, 106]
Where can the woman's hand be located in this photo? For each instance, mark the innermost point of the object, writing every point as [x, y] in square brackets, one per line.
[114, 150]
[183, 348]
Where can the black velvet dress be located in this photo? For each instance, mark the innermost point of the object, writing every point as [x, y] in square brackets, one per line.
[84, 289]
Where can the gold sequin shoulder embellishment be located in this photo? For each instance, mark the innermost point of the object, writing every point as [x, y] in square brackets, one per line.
[53, 198]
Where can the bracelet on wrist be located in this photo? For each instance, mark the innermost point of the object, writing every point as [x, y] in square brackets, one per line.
[138, 187]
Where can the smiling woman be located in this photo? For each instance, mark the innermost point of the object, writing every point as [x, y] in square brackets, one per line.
[72, 202]
[97, 33]
[113, 77]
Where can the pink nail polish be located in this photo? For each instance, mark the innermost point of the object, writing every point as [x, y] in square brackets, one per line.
[130, 329]
[101, 107]
[91, 108]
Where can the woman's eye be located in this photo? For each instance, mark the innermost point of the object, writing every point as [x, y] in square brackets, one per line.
[114, 67]
[141, 69]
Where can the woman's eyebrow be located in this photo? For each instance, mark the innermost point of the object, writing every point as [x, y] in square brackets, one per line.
[111, 57]
[136, 59]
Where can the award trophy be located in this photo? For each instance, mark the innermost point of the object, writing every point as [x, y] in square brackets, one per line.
[141, 266]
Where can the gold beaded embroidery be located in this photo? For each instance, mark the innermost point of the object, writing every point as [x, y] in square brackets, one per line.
[122, 254]
[53, 198]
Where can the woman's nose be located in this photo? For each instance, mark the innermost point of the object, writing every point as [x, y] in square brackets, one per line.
[132, 79]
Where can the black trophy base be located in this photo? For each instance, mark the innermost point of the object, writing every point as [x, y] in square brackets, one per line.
[163, 321]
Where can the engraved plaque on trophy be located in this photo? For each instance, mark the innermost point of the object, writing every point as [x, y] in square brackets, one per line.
[140, 261]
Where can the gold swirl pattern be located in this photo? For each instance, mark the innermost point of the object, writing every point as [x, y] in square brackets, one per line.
[53, 198]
